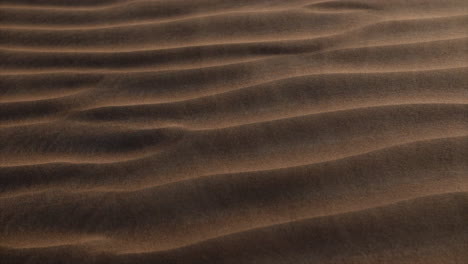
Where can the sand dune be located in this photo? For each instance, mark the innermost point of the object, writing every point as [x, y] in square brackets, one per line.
[268, 197]
[393, 32]
[217, 131]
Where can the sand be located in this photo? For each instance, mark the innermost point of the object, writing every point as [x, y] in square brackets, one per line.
[234, 131]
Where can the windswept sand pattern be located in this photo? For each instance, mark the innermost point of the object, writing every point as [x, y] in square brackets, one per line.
[234, 131]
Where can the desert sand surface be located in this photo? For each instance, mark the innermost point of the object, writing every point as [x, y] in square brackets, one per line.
[234, 131]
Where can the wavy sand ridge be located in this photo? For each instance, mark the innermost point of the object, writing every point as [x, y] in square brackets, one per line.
[216, 131]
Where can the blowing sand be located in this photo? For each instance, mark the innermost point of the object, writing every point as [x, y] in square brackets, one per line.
[234, 131]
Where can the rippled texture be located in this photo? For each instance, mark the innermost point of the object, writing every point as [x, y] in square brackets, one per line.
[234, 131]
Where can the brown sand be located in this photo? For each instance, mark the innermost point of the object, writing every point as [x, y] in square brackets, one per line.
[234, 131]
